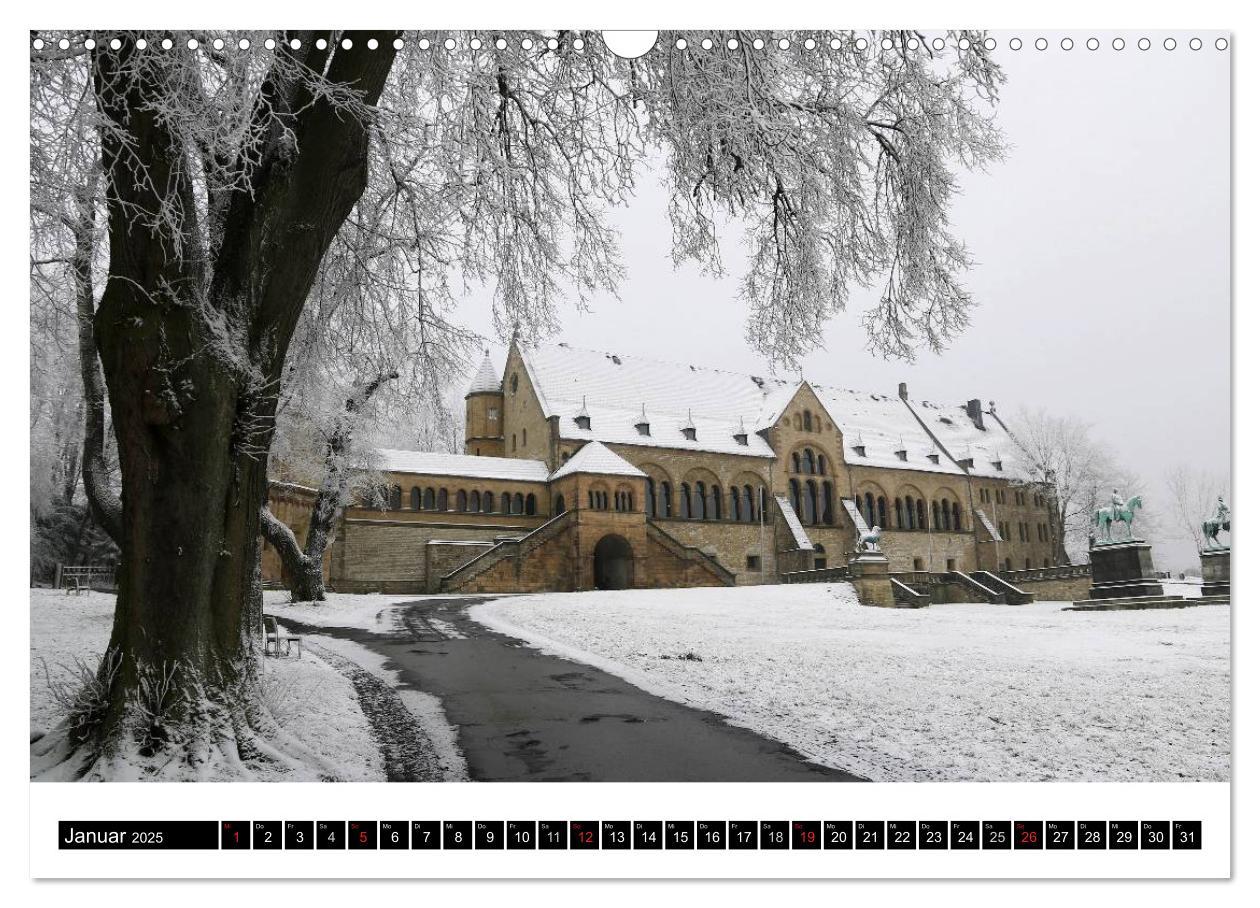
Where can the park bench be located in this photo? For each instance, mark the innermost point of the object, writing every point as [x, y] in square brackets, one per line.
[276, 637]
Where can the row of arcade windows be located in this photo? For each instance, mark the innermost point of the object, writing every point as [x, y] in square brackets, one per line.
[705, 501]
[465, 501]
[910, 513]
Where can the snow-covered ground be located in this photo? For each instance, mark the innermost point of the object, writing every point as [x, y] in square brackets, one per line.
[947, 693]
[374, 612]
[313, 702]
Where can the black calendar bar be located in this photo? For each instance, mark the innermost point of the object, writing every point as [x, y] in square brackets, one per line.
[157, 835]
[635, 835]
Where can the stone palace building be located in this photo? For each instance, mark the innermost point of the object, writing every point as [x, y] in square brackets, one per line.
[589, 470]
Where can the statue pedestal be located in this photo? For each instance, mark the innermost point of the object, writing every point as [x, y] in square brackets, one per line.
[1215, 564]
[1123, 570]
[870, 579]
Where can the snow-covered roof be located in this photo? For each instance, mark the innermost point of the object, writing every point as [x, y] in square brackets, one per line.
[595, 457]
[618, 389]
[794, 523]
[429, 463]
[964, 440]
[883, 426]
[487, 378]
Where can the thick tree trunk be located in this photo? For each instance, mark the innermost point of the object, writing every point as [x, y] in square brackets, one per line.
[191, 351]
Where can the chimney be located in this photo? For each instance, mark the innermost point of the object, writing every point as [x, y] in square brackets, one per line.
[902, 391]
[975, 413]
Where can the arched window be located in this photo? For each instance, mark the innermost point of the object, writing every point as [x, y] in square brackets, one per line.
[512, 383]
[809, 421]
[428, 499]
[795, 488]
[796, 462]
[518, 503]
[415, 498]
[1007, 562]
[487, 501]
[666, 508]
[810, 501]
[1028, 564]
[746, 506]
[559, 504]
[651, 497]
[699, 502]
[461, 500]
[822, 465]
[901, 515]
[808, 461]
[684, 502]
[829, 516]
[714, 511]
[920, 514]
[395, 498]
[443, 500]
[733, 513]
[524, 437]
[505, 503]
[882, 511]
[474, 502]
[531, 504]
[870, 509]
[957, 518]
[936, 515]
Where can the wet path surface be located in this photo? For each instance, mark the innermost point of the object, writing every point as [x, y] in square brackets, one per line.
[525, 716]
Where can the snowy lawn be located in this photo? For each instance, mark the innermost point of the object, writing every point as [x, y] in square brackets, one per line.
[947, 693]
[313, 702]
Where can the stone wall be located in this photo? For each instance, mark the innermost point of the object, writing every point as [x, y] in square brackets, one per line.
[903, 546]
[731, 544]
[374, 553]
[526, 431]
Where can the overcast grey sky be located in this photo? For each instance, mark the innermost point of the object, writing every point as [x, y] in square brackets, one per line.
[1101, 249]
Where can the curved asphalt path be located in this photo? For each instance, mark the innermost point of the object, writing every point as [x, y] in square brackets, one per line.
[522, 715]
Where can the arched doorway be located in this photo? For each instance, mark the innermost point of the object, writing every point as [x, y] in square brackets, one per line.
[614, 563]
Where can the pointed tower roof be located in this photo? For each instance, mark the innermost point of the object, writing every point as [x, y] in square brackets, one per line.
[486, 379]
[596, 457]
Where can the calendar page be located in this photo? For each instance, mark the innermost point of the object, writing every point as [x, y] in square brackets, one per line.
[709, 453]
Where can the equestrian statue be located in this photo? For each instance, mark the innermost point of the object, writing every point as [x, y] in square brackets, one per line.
[1214, 524]
[1119, 511]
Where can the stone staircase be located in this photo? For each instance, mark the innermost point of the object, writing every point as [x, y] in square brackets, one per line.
[690, 553]
[1011, 594]
[507, 548]
[907, 596]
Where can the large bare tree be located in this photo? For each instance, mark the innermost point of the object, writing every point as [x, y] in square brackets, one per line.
[226, 177]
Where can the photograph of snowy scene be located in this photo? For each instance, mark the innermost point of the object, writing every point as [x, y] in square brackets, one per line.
[747, 406]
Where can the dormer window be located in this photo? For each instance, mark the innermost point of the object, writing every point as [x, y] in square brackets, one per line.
[902, 454]
[643, 427]
[689, 428]
[583, 418]
[859, 450]
[741, 434]
[935, 458]
[997, 465]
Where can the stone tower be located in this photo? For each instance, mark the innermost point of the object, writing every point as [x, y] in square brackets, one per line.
[483, 412]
